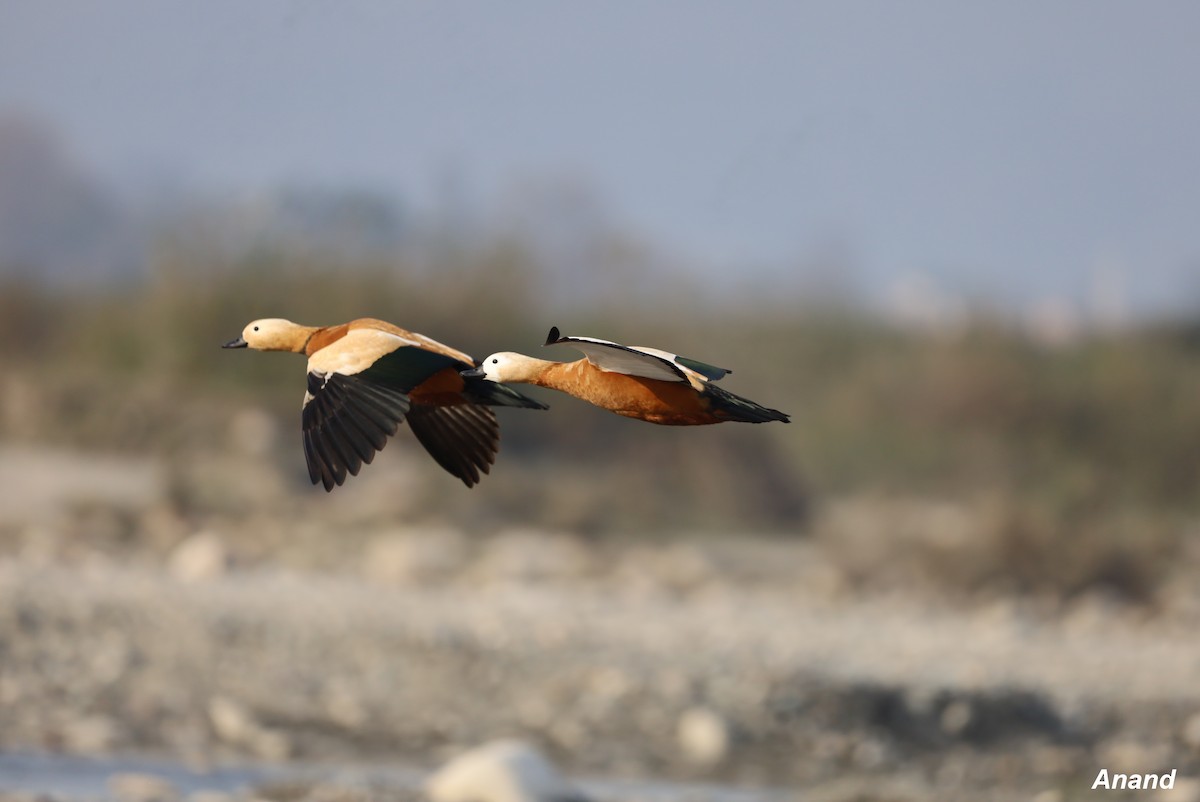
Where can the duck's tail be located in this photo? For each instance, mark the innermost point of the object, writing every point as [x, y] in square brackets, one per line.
[496, 394]
[735, 408]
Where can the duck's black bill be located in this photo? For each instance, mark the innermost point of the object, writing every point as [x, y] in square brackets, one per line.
[238, 343]
[472, 373]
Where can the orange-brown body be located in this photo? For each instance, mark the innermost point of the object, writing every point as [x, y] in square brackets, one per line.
[653, 400]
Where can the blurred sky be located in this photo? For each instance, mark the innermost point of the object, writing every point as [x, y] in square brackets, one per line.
[1018, 150]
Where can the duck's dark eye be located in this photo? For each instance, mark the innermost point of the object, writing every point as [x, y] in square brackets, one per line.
[495, 361]
[256, 328]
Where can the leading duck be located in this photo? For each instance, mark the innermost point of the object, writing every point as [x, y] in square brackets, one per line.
[366, 377]
[638, 382]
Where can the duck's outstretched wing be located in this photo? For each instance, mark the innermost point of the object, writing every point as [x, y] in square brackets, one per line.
[463, 439]
[649, 363]
[354, 405]
[345, 420]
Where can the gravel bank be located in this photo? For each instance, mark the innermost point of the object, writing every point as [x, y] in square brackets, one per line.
[613, 674]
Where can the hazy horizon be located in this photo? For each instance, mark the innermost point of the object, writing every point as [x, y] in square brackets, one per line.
[1027, 154]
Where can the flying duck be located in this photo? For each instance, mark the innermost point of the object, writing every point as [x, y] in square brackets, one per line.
[366, 377]
[644, 383]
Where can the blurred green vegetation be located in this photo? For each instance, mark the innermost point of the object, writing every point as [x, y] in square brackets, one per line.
[1082, 454]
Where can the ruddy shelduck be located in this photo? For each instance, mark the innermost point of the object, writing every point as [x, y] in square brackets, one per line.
[366, 377]
[644, 383]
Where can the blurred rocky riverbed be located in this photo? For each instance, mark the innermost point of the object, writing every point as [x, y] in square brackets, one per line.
[320, 637]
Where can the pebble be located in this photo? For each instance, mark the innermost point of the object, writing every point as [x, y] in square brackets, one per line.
[235, 725]
[704, 737]
[231, 722]
[870, 754]
[134, 787]
[199, 558]
[500, 771]
[955, 717]
[1191, 731]
[91, 734]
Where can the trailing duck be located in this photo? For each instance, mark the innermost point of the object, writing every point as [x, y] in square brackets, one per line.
[635, 381]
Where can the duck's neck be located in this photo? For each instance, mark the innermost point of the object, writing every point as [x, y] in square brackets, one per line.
[541, 372]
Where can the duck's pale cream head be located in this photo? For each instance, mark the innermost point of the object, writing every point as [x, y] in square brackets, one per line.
[272, 334]
[507, 366]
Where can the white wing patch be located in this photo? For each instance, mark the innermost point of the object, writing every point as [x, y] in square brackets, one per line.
[649, 363]
[356, 352]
